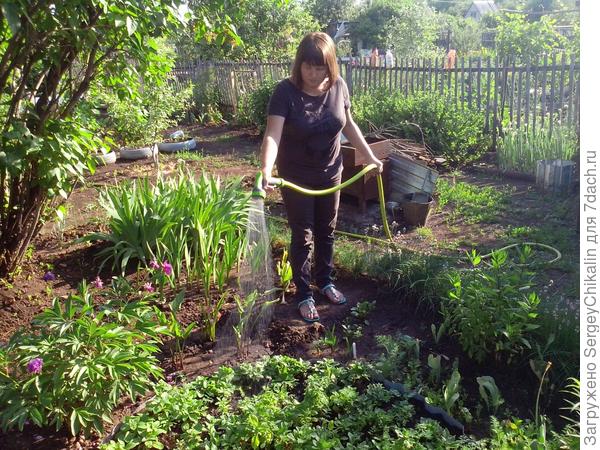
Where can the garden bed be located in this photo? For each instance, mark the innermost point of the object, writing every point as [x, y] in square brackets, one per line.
[520, 214]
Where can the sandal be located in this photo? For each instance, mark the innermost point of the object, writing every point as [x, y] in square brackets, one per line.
[311, 309]
[334, 296]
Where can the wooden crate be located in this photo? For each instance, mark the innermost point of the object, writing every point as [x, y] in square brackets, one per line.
[365, 188]
[408, 176]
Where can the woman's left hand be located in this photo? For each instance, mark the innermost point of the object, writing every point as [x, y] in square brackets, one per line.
[377, 162]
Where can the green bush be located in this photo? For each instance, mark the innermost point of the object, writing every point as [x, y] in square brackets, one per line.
[450, 131]
[207, 99]
[138, 121]
[252, 107]
[492, 309]
[77, 362]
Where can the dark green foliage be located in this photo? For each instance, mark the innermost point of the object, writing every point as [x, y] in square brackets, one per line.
[91, 357]
[281, 402]
[492, 309]
[207, 99]
[455, 133]
[252, 107]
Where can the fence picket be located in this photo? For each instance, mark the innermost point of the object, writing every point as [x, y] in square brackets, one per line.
[552, 92]
[570, 90]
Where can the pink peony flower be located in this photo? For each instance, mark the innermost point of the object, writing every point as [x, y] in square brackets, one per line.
[148, 287]
[167, 268]
[35, 365]
[97, 283]
[154, 264]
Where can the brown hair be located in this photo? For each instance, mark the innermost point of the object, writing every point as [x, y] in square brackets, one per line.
[316, 49]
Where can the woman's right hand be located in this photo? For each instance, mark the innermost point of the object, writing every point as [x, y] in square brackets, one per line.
[268, 183]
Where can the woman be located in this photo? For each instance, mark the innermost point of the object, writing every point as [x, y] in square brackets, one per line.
[307, 113]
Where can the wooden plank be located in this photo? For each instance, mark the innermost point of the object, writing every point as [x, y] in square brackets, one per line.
[406, 76]
[552, 83]
[543, 112]
[527, 87]
[487, 96]
[412, 76]
[436, 73]
[449, 81]
[511, 89]
[455, 82]
[561, 92]
[462, 83]
[349, 77]
[479, 84]
[570, 91]
[519, 92]
[427, 77]
[535, 97]
[470, 83]
[497, 84]
[442, 74]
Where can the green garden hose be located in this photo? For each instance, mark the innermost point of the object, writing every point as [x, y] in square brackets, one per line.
[259, 192]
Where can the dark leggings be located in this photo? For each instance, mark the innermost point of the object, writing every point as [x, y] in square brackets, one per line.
[311, 219]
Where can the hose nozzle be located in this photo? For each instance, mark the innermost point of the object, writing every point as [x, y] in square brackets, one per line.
[258, 190]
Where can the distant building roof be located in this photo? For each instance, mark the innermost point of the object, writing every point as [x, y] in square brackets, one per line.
[481, 7]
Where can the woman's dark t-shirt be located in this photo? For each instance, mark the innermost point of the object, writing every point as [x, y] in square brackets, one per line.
[309, 150]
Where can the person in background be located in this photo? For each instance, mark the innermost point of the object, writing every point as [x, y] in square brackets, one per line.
[306, 115]
[450, 60]
[389, 58]
[374, 61]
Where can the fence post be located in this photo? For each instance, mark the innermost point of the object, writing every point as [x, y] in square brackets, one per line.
[349, 75]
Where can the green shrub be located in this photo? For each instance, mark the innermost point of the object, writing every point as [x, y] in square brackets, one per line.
[77, 363]
[450, 131]
[252, 107]
[207, 99]
[138, 121]
[492, 310]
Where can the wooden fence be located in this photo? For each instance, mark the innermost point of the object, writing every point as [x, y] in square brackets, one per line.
[535, 96]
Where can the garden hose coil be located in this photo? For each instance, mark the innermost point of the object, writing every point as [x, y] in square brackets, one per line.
[259, 192]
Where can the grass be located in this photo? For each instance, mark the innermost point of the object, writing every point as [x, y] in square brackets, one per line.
[425, 233]
[189, 156]
[471, 204]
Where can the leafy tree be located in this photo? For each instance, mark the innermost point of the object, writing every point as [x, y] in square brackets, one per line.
[328, 11]
[408, 26]
[528, 41]
[465, 34]
[457, 8]
[50, 53]
[268, 30]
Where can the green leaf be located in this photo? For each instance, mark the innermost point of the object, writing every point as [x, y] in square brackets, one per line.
[131, 25]
[36, 416]
[12, 13]
[74, 423]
